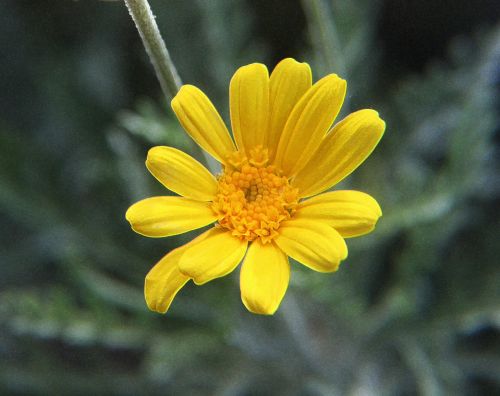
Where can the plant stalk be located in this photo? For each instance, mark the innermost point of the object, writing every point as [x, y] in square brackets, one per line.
[144, 20]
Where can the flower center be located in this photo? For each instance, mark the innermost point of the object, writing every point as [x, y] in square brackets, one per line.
[253, 197]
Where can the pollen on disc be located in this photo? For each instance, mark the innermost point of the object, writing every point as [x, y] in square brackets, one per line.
[253, 197]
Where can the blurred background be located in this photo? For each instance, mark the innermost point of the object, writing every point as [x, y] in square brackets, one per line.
[414, 310]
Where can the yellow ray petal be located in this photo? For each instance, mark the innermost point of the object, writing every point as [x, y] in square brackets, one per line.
[288, 82]
[351, 213]
[164, 216]
[249, 106]
[312, 243]
[215, 255]
[349, 143]
[264, 278]
[181, 173]
[164, 281]
[202, 122]
[308, 122]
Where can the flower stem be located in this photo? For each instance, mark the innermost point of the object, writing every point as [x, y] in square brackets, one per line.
[167, 75]
[144, 20]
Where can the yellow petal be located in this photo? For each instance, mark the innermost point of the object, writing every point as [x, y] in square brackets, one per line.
[312, 243]
[288, 82]
[202, 122]
[215, 255]
[351, 213]
[164, 281]
[181, 173]
[349, 143]
[164, 216]
[308, 122]
[249, 106]
[264, 278]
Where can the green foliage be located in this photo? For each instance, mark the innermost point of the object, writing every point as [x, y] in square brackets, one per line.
[415, 308]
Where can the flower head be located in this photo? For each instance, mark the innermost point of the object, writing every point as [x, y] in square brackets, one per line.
[268, 203]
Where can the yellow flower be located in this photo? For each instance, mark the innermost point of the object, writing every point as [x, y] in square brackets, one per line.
[265, 203]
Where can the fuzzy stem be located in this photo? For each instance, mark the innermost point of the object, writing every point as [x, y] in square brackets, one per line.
[144, 20]
[167, 75]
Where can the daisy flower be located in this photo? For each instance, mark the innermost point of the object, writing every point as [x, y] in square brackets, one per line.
[269, 202]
